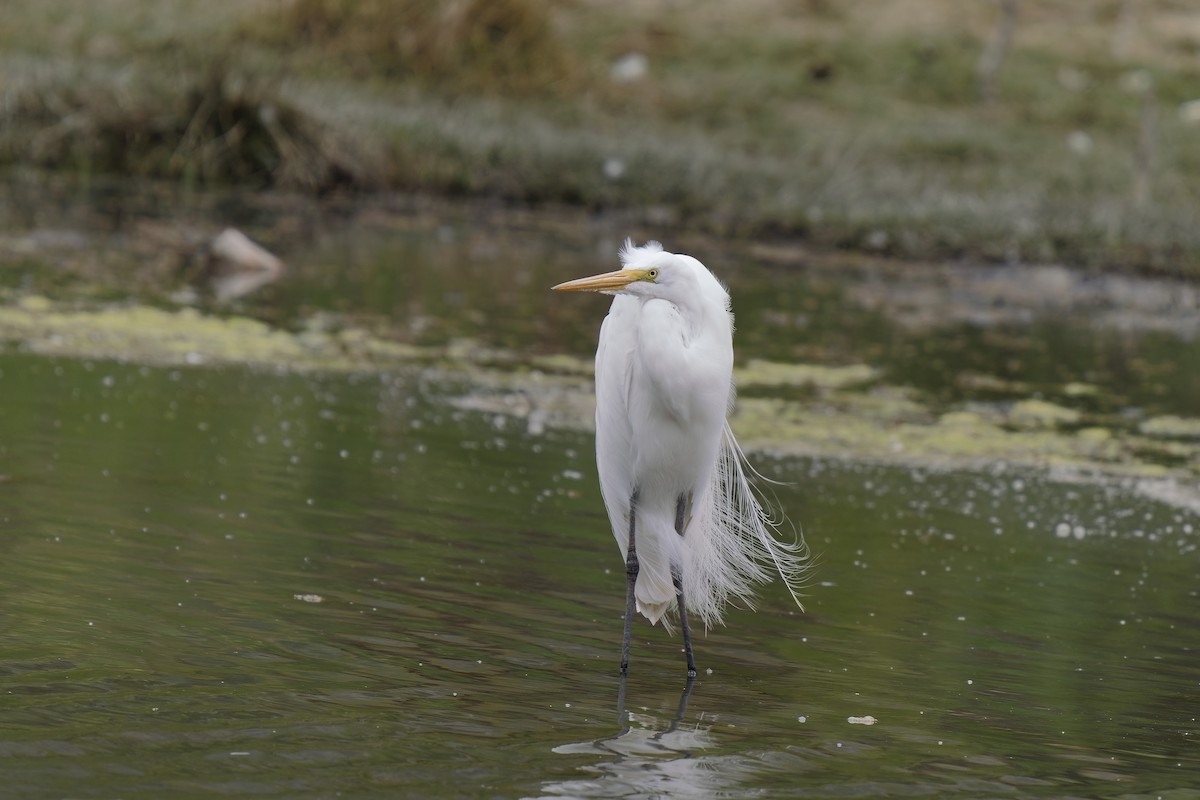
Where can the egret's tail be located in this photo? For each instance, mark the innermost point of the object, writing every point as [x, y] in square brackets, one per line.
[734, 543]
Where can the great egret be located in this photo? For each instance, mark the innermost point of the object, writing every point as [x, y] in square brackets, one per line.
[671, 473]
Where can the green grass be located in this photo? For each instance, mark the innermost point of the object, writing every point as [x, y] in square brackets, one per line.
[850, 125]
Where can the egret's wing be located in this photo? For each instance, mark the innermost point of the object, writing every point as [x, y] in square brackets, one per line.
[619, 377]
[614, 371]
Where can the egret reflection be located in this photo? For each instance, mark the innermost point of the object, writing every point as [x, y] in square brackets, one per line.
[651, 756]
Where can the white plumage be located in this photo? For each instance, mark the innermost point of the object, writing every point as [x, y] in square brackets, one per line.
[663, 446]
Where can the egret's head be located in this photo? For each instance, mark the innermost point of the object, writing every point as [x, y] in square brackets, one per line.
[647, 271]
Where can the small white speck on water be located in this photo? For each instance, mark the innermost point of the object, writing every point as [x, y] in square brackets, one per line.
[240, 753]
[802, 718]
[708, 671]
[867, 720]
[970, 682]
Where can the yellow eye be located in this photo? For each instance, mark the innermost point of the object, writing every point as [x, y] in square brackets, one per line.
[652, 274]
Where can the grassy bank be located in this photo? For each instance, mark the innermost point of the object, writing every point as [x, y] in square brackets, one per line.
[856, 125]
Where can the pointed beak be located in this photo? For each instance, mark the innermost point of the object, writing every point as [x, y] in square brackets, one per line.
[607, 282]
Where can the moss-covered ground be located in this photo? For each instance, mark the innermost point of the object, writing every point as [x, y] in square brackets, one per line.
[846, 411]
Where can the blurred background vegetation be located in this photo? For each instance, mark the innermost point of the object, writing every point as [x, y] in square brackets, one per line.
[1005, 130]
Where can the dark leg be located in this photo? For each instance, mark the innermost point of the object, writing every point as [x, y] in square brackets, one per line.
[682, 517]
[622, 717]
[677, 579]
[631, 574]
[683, 701]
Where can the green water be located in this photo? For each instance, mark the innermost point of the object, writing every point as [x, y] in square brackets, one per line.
[165, 534]
[219, 581]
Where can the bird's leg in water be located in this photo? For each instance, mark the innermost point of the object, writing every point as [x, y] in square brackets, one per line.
[631, 575]
[683, 514]
[622, 717]
[679, 712]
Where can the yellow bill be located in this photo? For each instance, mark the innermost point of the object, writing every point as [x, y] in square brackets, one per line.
[607, 282]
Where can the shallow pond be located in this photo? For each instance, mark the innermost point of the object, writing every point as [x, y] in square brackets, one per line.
[241, 582]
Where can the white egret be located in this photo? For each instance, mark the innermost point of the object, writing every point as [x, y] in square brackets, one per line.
[672, 475]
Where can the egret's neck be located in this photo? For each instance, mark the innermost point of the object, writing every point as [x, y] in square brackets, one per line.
[702, 315]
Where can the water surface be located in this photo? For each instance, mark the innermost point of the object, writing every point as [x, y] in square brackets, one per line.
[232, 583]
[225, 581]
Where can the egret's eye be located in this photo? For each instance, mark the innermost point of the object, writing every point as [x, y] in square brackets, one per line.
[652, 274]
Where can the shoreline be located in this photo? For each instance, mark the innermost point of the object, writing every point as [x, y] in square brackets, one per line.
[844, 413]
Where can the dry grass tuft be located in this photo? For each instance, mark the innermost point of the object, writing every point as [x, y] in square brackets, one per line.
[213, 128]
[479, 45]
